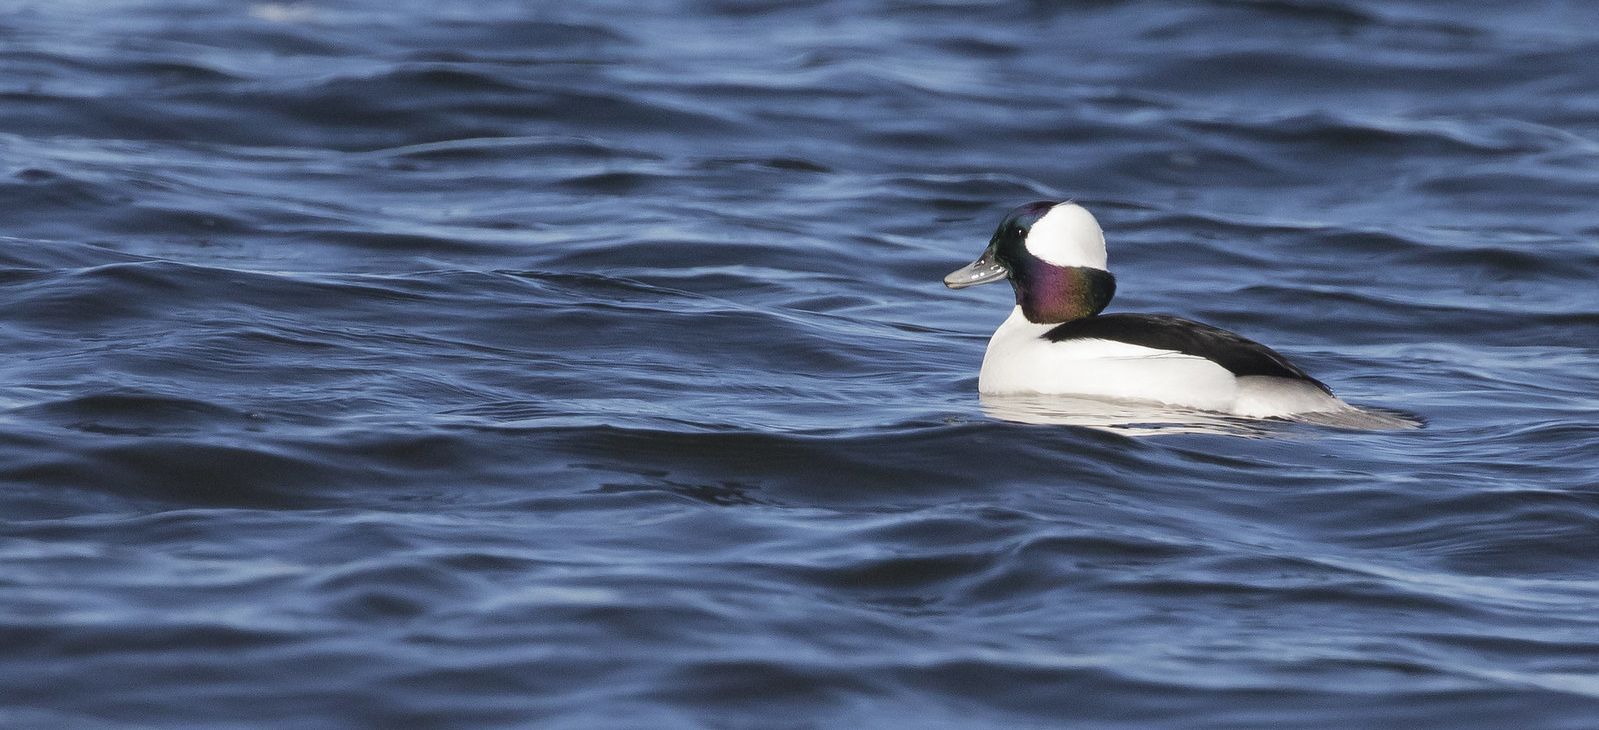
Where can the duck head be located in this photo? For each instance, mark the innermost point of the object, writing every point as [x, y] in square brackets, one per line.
[1054, 256]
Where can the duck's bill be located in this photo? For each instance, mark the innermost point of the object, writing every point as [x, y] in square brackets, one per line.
[981, 271]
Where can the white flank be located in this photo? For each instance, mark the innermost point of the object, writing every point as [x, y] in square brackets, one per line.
[1020, 361]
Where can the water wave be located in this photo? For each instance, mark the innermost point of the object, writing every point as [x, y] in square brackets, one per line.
[432, 366]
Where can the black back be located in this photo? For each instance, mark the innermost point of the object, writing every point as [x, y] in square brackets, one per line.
[1239, 355]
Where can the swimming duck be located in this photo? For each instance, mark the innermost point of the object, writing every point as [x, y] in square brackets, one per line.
[1057, 342]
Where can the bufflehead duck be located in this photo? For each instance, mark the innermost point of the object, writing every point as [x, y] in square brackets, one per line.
[1057, 342]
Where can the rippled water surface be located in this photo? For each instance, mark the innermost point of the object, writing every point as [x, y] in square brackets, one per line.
[498, 364]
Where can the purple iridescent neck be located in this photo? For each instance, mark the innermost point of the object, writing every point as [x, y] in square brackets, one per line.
[1050, 294]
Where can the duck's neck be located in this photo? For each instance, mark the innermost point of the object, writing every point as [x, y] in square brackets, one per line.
[1051, 294]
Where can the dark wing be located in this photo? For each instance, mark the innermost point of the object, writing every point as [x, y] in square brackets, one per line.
[1239, 355]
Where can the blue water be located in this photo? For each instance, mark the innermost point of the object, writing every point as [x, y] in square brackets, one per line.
[494, 365]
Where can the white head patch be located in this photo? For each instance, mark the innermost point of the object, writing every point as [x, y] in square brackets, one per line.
[1068, 235]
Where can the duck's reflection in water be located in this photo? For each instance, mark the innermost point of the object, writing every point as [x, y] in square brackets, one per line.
[1146, 418]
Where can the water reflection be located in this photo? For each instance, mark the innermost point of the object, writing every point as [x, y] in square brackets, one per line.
[1145, 418]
